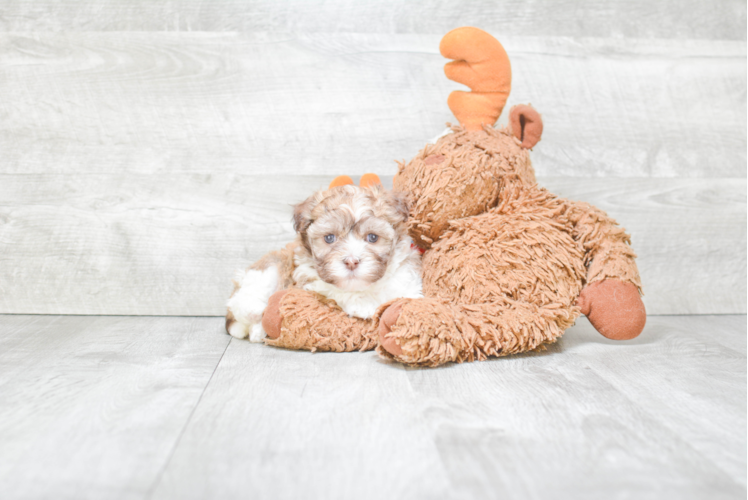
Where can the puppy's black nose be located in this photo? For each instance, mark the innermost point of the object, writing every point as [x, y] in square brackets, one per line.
[351, 263]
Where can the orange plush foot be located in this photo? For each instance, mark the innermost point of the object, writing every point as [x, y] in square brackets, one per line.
[389, 318]
[614, 308]
[271, 318]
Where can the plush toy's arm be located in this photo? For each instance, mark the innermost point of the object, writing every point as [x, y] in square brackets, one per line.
[607, 250]
[611, 297]
[298, 319]
[431, 332]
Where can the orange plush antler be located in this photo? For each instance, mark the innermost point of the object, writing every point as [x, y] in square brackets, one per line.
[366, 181]
[482, 64]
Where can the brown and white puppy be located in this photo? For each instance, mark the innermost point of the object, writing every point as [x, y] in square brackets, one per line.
[352, 246]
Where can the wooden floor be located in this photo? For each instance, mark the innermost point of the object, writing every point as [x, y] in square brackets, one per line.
[172, 407]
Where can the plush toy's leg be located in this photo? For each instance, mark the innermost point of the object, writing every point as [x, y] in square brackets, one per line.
[272, 321]
[614, 308]
[297, 319]
[430, 332]
[611, 298]
[386, 323]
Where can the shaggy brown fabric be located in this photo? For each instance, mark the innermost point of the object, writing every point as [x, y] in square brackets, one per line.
[498, 283]
[606, 246]
[505, 265]
[312, 322]
[432, 332]
[466, 182]
[508, 266]
[504, 268]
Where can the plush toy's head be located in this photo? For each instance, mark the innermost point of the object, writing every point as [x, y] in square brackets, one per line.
[464, 173]
[461, 175]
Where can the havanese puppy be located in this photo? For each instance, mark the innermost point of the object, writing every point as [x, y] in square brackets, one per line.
[352, 246]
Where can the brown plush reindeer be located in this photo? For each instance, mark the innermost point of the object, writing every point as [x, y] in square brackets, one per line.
[508, 266]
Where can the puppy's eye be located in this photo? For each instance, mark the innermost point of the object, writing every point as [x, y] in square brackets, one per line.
[372, 238]
[329, 238]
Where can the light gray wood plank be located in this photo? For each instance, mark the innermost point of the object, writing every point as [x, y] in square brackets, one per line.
[639, 18]
[92, 407]
[280, 424]
[168, 245]
[138, 244]
[352, 103]
[661, 416]
[708, 348]
[702, 329]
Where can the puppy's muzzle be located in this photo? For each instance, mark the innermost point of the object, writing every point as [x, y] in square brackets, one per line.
[351, 263]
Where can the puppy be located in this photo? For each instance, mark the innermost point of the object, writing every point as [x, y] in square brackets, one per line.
[352, 246]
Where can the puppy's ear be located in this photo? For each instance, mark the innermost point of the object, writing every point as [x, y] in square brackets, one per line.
[393, 205]
[302, 214]
[401, 204]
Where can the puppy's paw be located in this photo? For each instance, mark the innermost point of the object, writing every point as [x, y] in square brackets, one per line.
[254, 331]
[257, 333]
[249, 302]
[238, 330]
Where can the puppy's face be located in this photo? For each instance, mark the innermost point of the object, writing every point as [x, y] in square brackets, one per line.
[351, 233]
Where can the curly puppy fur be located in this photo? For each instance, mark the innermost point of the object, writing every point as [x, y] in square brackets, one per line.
[352, 248]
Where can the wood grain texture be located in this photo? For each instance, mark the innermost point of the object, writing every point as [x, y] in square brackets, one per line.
[161, 408]
[283, 424]
[168, 245]
[138, 244]
[661, 416]
[617, 18]
[348, 103]
[92, 407]
[596, 418]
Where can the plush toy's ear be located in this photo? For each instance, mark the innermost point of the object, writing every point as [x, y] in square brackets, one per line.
[526, 124]
[366, 181]
[482, 64]
[369, 180]
[341, 180]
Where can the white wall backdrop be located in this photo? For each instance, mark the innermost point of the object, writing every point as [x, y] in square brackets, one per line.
[149, 148]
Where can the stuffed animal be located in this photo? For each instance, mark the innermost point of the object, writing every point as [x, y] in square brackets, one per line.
[507, 265]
